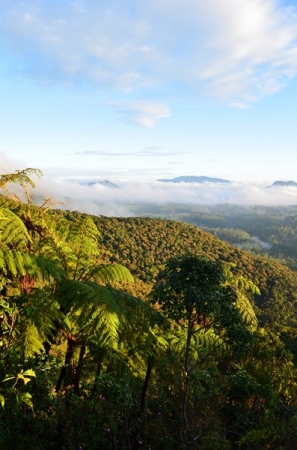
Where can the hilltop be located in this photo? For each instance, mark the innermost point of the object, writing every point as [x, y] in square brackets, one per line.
[194, 179]
[283, 183]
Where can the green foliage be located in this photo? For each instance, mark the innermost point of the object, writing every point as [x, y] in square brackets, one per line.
[111, 274]
[21, 177]
[144, 244]
[194, 289]
[193, 369]
[20, 395]
[14, 262]
[13, 231]
[188, 285]
[91, 310]
[207, 342]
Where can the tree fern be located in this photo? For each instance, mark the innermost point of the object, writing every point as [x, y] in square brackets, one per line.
[21, 177]
[82, 247]
[138, 312]
[210, 342]
[13, 232]
[32, 343]
[48, 269]
[247, 311]
[138, 335]
[91, 309]
[110, 274]
[242, 286]
[41, 310]
[14, 263]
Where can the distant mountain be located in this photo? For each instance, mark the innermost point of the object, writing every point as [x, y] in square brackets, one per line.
[284, 183]
[91, 183]
[106, 183]
[194, 179]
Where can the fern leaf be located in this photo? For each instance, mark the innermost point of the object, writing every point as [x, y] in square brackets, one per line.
[247, 311]
[14, 263]
[10, 264]
[20, 176]
[32, 342]
[3, 268]
[92, 308]
[209, 341]
[2, 400]
[48, 268]
[133, 307]
[12, 230]
[74, 294]
[111, 273]
[41, 311]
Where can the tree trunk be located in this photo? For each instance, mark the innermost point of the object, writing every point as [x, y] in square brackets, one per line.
[64, 374]
[185, 388]
[79, 369]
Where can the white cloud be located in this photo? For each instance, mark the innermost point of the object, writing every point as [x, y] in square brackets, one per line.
[8, 165]
[235, 50]
[144, 113]
[100, 199]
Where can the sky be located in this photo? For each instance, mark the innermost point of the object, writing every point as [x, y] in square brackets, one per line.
[133, 91]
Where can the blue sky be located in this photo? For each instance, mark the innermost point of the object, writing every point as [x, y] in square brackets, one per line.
[140, 90]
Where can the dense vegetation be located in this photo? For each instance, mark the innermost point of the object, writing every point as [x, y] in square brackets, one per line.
[261, 229]
[129, 333]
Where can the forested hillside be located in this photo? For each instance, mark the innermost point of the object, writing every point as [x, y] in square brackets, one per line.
[131, 333]
[261, 229]
[144, 245]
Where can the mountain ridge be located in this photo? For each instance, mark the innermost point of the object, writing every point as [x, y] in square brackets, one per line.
[280, 183]
[193, 179]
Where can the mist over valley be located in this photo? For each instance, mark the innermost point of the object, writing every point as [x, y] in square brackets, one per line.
[114, 197]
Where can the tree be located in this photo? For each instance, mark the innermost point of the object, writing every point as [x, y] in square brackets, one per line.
[72, 297]
[191, 290]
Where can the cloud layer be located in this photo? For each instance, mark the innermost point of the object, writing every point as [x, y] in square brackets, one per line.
[96, 198]
[237, 51]
[99, 199]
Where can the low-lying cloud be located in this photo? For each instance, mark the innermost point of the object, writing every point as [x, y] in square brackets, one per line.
[88, 194]
[99, 199]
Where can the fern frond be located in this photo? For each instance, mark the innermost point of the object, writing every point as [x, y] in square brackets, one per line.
[32, 343]
[210, 341]
[3, 268]
[247, 312]
[84, 238]
[92, 309]
[73, 245]
[41, 310]
[13, 231]
[111, 273]
[74, 294]
[243, 284]
[59, 253]
[101, 325]
[49, 268]
[203, 341]
[14, 263]
[21, 177]
[133, 309]
[9, 264]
